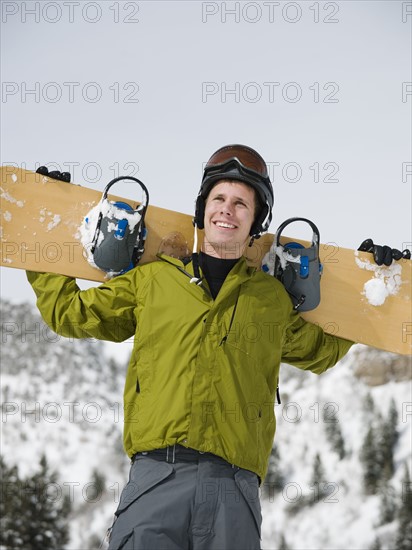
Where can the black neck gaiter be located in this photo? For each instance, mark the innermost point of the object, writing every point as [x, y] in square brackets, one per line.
[215, 271]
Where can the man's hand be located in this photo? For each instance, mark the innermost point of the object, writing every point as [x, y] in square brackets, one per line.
[383, 254]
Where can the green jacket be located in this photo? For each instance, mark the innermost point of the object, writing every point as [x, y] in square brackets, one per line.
[203, 373]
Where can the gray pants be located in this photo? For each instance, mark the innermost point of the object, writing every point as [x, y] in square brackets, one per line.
[193, 502]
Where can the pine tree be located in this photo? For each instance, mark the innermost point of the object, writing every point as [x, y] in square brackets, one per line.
[369, 404]
[385, 451]
[393, 417]
[274, 480]
[387, 438]
[404, 533]
[9, 502]
[334, 433]
[377, 451]
[376, 545]
[388, 508]
[370, 463]
[283, 545]
[49, 529]
[318, 471]
[96, 487]
[317, 485]
[94, 543]
[33, 517]
[318, 480]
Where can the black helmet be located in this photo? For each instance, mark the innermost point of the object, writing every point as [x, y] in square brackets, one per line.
[242, 163]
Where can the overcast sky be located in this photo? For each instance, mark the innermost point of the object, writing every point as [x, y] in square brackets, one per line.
[321, 89]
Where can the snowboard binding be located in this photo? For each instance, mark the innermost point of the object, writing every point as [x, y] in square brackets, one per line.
[120, 234]
[298, 268]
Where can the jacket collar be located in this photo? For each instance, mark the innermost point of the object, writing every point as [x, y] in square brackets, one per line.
[239, 274]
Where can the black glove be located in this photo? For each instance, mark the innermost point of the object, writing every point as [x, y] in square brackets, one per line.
[55, 174]
[384, 254]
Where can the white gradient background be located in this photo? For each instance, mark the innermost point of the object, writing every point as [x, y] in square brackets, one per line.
[169, 50]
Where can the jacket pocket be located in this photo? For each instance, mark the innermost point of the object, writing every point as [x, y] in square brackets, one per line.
[248, 484]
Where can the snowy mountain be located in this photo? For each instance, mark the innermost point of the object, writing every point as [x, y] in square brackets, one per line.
[63, 398]
[345, 518]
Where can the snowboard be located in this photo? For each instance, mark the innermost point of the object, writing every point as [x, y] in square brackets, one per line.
[41, 216]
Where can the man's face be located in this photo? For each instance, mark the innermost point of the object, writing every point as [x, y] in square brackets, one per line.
[229, 215]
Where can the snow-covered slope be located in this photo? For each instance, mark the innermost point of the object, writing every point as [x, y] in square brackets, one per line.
[63, 398]
[345, 519]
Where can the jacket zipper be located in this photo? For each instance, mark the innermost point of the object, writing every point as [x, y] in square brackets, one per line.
[225, 337]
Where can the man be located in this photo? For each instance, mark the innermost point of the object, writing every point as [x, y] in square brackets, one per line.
[201, 384]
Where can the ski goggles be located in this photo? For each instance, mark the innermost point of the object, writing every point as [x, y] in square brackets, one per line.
[233, 165]
[238, 162]
[233, 168]
[246, 158]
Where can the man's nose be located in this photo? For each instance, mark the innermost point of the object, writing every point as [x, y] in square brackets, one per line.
[227, 208]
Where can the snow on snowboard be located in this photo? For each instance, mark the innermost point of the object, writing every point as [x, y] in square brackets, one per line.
[43, 229]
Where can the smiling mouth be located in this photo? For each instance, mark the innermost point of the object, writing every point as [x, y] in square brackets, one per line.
[225, 225]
